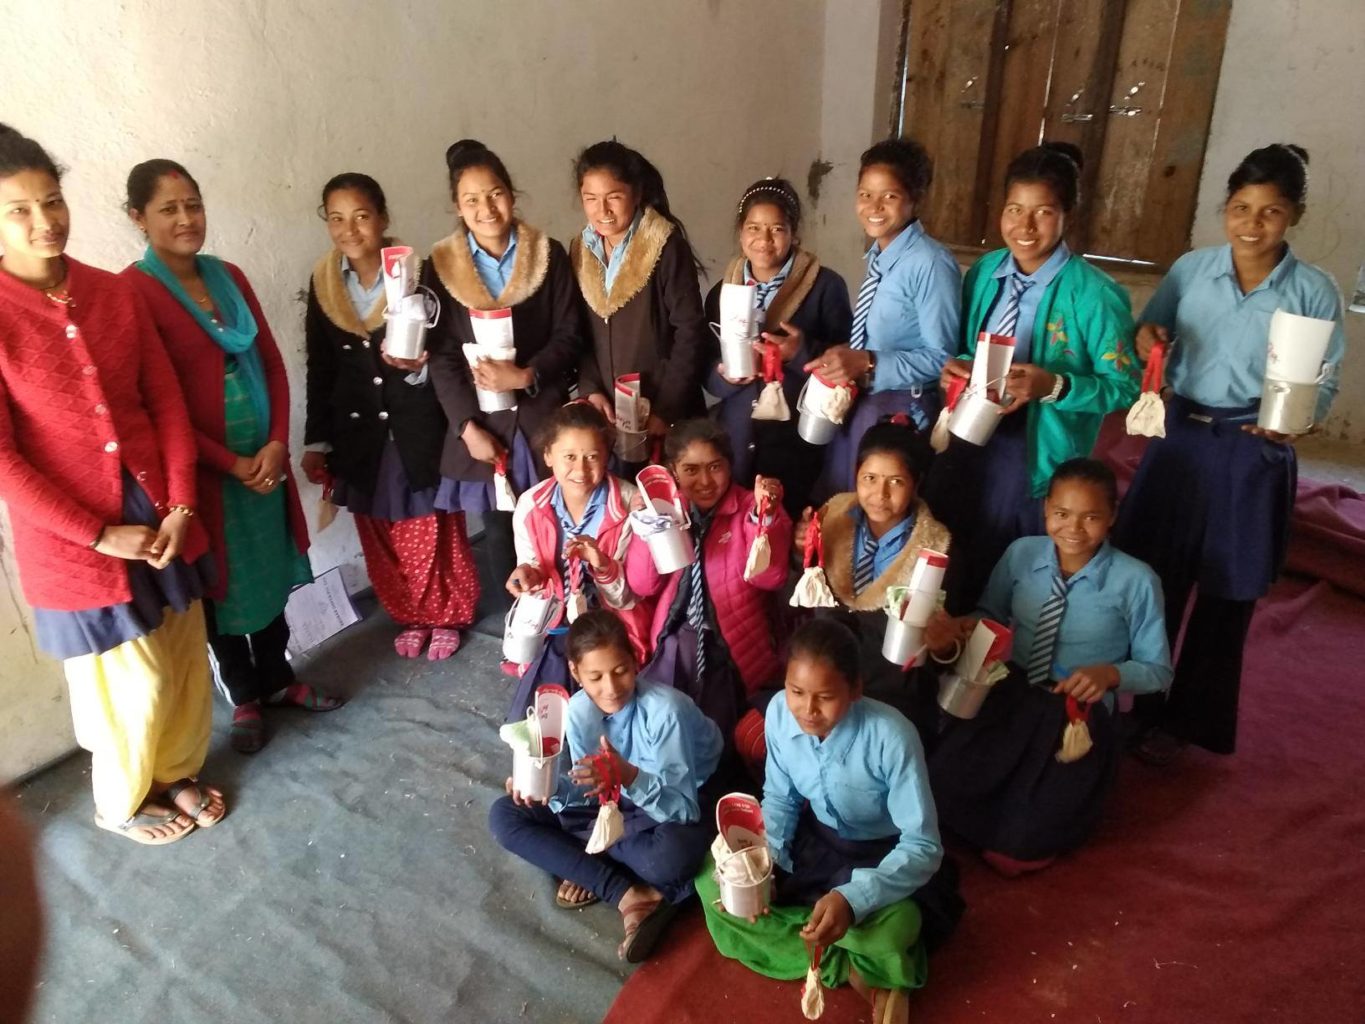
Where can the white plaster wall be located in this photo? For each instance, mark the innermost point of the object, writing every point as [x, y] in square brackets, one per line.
[1294, 71]
[263, 101]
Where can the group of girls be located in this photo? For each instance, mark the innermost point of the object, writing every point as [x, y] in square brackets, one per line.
[175, 519]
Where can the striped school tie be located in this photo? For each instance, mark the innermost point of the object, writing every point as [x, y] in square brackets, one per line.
[868, 292]
[764, 290]
[1009, 320]
[696, 597]
[864, 562]
[1045, 635]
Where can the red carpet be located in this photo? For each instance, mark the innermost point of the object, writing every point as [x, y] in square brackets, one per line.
[1219, 890]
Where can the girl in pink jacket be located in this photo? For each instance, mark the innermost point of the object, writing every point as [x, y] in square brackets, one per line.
[571, 532]
[713, 635]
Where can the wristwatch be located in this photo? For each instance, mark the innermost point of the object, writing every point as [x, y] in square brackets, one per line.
[1059, 388]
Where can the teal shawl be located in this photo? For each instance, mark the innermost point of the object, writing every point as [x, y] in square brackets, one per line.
[235, 334]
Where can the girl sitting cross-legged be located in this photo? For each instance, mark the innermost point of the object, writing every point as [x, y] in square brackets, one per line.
[662, 750]
[852, 829]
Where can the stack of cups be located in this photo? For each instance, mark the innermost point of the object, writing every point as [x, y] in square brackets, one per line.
[528, 621]
[492, 340]
[411, 310]
[1293, 372]
[535, 770]
[738, 330]
[909, 608]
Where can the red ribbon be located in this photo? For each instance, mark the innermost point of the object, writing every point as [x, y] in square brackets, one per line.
[772, 362]
[1151, 376]
[954, 391]
[763, 505]
[1076, 711]
[815, 545]
[500, 464]
[605, 764]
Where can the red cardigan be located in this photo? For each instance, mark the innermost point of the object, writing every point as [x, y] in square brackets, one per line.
[200, 364]
[85, 390]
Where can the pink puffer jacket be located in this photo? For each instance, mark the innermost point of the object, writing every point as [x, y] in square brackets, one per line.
[741, 607]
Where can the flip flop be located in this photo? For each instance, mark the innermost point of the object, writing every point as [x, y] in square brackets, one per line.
[579, 904]
[410, 642]
[301, 695]
[642, 937]
[142, 819]
[197, 816]
[894, 1007]
[248, 733]
[444, 643]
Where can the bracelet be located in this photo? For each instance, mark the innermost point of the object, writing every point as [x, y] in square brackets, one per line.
[98, 537]
[184, 510]
[957, 652]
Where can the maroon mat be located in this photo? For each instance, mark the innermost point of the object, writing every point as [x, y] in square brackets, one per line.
[1219, 890]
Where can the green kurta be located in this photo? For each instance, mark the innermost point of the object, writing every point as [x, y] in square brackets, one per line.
[263, 563]
[885, 949]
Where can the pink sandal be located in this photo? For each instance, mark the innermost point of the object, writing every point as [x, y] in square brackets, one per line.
[444, 643]
[410, 642]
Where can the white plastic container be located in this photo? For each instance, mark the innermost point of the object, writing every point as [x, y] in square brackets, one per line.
[974, 418]
[406, 323]
[902, 643]
[632, 446]
[739, 822]
[812, 424]
[961, 698]
[671, 547]
[738, 357]
[536, 778]
[738, 313]
[525, 627]
[1287, 407]
[744, 899]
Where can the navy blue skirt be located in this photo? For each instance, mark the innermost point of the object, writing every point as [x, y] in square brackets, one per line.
[997, 782]
[1211, 501]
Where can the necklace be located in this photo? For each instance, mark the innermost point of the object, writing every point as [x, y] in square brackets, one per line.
[59, 295]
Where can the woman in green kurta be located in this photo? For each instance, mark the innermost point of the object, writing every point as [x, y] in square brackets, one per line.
[238, 398]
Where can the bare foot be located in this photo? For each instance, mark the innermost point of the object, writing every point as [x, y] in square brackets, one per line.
[154, 824]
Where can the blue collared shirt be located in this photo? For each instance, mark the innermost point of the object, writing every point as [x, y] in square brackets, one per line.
[889, 545]
[589, 524]
[592, 241]
[1220, 335]
[362, 299]
[493, 270]
[866, 780]
[767, 290]
[913, 322]
[1029, 301]
[1114, 612]
[663, 734]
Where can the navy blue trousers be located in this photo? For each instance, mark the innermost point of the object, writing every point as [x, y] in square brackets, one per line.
[665, 855]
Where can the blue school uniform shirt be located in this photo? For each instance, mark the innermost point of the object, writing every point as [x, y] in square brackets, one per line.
[362, 298]
[592, 241]
[1114, 612]
[866, 780]
[913, 323]
[1220, 335]
[889, 545]
[1028, 301]
[663, 734]
[493, 270]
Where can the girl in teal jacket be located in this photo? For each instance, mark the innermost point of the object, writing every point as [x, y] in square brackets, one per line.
[1073, 363]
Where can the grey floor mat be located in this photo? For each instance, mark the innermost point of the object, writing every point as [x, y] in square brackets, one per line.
[354, 879]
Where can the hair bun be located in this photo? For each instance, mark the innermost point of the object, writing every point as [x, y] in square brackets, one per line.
[1297, 151]
[458, 151]
[1067, 149]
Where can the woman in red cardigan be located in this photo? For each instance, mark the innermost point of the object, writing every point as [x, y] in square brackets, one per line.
[97, 468]
[238, 399]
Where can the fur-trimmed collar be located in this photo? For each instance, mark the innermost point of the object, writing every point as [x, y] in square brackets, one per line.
[838, 530]
[805, 268]
[454, 265]
[646, 246]
[335, 301]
